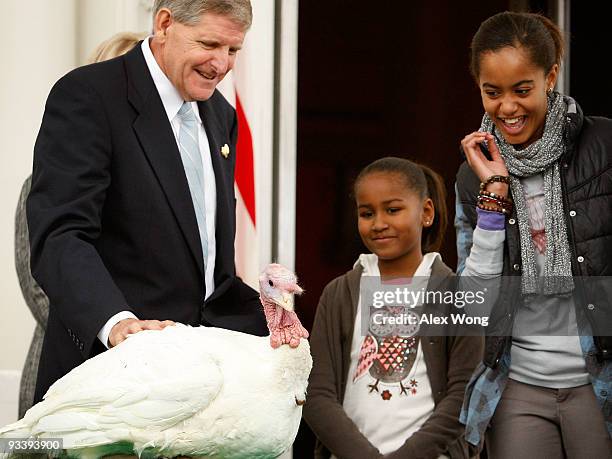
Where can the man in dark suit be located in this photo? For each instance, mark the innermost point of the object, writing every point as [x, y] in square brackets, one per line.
[132, 207]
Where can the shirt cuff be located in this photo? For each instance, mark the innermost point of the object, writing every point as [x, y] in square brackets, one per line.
[487, 254]
[490, 220]
[105, 331]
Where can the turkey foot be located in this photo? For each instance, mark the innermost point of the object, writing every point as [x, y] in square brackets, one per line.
[373, 387]
[403, 389]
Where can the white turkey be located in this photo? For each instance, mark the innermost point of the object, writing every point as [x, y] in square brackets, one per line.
[191, 391]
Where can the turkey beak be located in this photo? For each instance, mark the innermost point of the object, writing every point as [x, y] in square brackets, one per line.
[287, 301]
[299, 402]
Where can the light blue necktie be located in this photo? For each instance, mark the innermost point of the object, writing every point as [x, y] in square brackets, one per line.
[192, 162]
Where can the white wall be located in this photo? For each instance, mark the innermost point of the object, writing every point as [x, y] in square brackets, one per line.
[43, 39]
[38, 49]
[97, 20]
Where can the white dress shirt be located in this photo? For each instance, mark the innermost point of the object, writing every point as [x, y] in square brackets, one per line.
[172, 102]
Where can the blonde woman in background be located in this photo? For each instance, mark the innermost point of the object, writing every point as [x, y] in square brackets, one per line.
[35, 298]
[116, 45]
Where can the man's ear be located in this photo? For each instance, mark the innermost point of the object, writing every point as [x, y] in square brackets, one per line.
[163, 20]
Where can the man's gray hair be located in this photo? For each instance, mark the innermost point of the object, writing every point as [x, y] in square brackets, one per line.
[189, 12]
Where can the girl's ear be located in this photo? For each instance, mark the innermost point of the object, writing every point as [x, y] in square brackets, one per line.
[551, 78]
[429, 213]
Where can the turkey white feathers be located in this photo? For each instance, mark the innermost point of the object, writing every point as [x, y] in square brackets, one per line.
[192, 391]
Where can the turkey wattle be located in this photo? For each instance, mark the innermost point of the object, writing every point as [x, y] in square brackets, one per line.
[191, 391]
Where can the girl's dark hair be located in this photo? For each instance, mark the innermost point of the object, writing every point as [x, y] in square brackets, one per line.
[423, 181]
[537, 34]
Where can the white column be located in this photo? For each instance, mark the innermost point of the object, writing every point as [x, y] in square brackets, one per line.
[285, 136]
[286, 131]
[562, 12]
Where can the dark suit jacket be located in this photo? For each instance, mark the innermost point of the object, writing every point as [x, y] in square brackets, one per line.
[112, 224]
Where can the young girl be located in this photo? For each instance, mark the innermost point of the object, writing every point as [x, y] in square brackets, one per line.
[545, 191]
[371, 394]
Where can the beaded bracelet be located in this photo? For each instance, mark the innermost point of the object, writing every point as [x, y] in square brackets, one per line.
[492, 195]
[496, 204]
[494, 178]
[497, 209]
[504, 207]
[496, 199]
[501, 210]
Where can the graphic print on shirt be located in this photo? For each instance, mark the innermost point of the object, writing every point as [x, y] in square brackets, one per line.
[537, 214]
[390, 360]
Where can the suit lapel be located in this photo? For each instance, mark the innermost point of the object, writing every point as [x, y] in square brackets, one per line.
[159, 145]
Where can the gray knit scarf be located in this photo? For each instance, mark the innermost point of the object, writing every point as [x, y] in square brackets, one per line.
[541, 157]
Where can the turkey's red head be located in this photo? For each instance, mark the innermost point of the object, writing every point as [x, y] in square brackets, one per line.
[277, 287]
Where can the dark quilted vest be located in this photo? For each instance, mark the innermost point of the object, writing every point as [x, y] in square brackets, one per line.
[586, 177]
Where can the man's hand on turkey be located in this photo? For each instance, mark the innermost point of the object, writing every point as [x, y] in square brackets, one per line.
[126, 327]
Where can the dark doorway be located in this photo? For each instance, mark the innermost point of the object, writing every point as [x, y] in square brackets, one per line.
[590, 46]
[386, 81]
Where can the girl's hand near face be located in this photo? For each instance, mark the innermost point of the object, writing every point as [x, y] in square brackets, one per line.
[483, 167]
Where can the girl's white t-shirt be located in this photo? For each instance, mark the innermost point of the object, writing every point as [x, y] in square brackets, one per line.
[386, 412]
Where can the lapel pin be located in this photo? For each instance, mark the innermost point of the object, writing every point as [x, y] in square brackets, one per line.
[225, 151]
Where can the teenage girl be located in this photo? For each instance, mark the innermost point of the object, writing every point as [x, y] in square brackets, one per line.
[373, 394]
[539, 172]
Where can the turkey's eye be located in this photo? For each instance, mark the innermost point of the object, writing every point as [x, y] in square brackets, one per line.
[271, 283]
